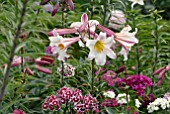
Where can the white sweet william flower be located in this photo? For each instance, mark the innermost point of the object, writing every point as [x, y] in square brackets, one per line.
[126, 39]
[140, 2]
[123, 98]
[137, 103]
[99, 48]
[59, 45]
[109, 94]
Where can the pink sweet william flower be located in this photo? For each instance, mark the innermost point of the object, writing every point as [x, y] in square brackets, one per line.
[59, 45]
[17, 111]
[127, 40]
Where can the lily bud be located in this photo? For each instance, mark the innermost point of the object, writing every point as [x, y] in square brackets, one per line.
[44, 70]
[55, 8]
[158, 70]
[106, 30]
[29, 71]
[62, 31]
[44, 2]
[70, 2]
[161, 74]
[121, 69]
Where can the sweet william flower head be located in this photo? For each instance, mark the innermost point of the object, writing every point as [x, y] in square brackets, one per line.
[109, 94]
[99, 48]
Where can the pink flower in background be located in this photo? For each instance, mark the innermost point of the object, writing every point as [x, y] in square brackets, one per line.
[117, 19]
[17, 111]
[109, 77]
[126, 39]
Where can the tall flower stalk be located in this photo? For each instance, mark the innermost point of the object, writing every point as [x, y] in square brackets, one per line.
[7, 73]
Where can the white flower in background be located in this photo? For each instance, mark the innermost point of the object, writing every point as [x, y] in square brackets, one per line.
[159, 103]
[140, 2]
[137, 103]
[127, 40]
[85, 27]
[117, 19]
[123, 98]
[109, 94]
[99, 48]
[59, 45]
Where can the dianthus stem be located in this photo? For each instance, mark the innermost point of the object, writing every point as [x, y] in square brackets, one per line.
[92, 84]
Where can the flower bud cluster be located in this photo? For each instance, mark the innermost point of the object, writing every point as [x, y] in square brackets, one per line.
[69, 70]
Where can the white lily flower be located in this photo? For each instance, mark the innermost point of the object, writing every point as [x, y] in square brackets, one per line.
[99, 48]
[85, 27]
[127, 40]
[140, 2]
[59, 45]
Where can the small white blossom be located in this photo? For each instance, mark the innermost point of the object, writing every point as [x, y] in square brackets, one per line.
[123, 98]
[109, 94]
[159, 103]
[137, 103]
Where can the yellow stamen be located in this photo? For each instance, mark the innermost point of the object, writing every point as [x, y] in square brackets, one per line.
[99, 46]
[61, 46]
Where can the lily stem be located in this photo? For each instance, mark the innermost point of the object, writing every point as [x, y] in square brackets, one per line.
[7, 73]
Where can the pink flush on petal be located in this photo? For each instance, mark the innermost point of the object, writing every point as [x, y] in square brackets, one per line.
[62, 31]
[106, 30]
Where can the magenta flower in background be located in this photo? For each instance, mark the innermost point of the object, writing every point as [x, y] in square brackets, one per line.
[109, 77]
[137, 82]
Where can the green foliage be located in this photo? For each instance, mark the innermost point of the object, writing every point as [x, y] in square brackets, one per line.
[28, 92]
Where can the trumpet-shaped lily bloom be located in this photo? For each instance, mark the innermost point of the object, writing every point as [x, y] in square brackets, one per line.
[99, 48]
[86, 28]
[59, 45]
[140, 2]
[127, 40]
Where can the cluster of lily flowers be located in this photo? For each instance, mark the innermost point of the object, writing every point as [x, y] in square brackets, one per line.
[99, 45]
[82, 104]
[159, 103]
